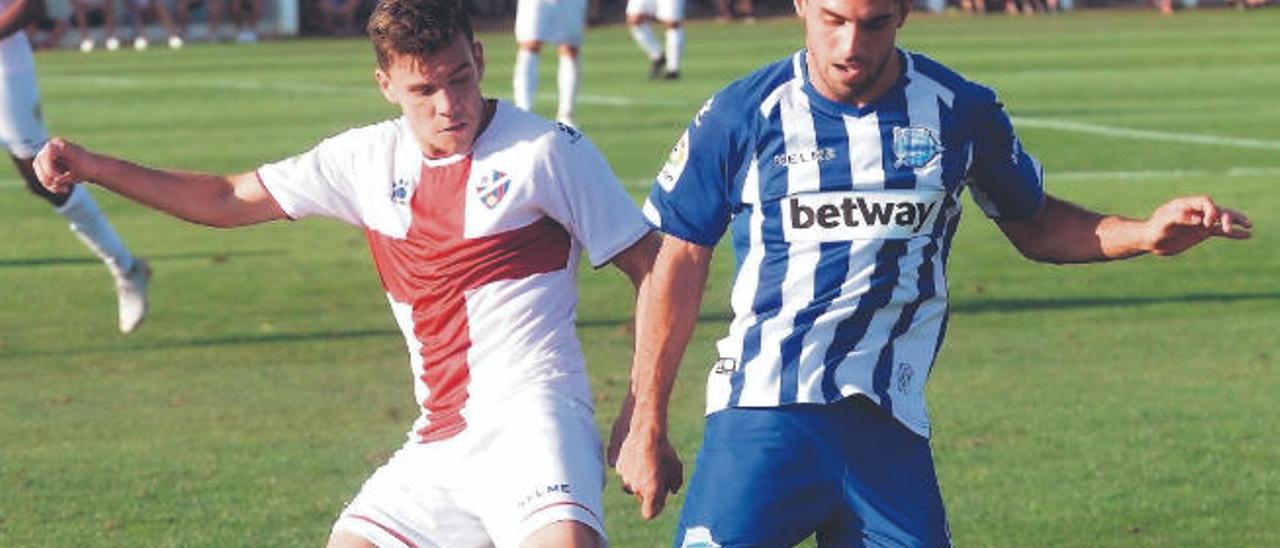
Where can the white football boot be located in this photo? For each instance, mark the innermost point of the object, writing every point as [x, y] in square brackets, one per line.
[131, 294]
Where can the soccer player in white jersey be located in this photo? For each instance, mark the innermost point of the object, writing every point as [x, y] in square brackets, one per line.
[664, 59]
[23, 132]
[476, 213]
[559, 22]
[839, 171]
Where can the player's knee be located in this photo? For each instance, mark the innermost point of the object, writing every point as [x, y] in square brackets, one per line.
[564, 534]
[532, 46]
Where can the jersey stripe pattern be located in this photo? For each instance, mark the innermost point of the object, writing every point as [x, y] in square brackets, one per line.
[478, 253]
[841, 220]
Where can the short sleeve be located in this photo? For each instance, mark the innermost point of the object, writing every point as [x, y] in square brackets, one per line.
[690, 196]
[587, 198]
[1007, 182]
[317, 182]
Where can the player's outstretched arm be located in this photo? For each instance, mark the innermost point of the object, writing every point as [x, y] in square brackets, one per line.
[666, 313]
[202, 198]
[1062, 232]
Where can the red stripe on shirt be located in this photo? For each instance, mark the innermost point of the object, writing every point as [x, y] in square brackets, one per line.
[433, 267]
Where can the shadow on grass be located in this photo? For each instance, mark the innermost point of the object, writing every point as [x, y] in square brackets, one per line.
[226, 340]
[214, 257]
[988, 306]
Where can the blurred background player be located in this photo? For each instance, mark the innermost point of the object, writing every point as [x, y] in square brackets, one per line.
[741, 8]
[46, 31]
[247, 14]
[23, 132]
[559, 22]
[663, 63]
[213, 12]
[95, 13]
[338, 17]
[143, 10]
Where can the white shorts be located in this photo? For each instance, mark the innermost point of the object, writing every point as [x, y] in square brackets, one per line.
[555, 21]
[491, 485]
[669, 11]
[21, 124]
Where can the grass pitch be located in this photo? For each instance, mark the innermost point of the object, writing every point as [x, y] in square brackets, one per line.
[1132, 404]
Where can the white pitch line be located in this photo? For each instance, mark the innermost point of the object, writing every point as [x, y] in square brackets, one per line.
[1144, 134]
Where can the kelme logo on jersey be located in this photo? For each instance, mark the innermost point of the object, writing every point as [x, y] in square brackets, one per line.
[675, 163]
[859, 215]
[493, 188]
[400, 192]
[915, 146]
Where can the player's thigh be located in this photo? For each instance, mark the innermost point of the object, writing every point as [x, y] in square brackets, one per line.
[892, 487]
[763, 478]
[564, 534]
[22, 127]
[409, 501]
[637, 8]
[556, 21]
[543, 466]
[669, 11]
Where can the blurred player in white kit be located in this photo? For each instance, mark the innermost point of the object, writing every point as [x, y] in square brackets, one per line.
[664, 59]
[558, 22]
[23, 132]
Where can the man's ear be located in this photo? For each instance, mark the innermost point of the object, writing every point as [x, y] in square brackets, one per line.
[799, 5]
[384, 85]
[477, 54]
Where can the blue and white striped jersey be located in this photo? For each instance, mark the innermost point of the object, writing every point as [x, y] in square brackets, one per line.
[842, 220]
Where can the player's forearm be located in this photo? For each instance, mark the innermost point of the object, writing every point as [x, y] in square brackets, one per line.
[666, 314]
[200, 198]
[1063, 232]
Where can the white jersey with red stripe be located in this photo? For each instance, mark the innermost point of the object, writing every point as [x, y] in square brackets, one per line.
[478, 253]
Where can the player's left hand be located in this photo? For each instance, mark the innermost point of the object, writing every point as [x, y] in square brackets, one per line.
[1181, 223]
[648, 466]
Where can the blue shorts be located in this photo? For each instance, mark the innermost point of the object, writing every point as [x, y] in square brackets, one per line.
[848, 471]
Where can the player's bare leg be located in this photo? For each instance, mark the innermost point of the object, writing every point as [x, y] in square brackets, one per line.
[564, 534]
[524, 79]
[674, 49]
[347, 539]
[643, 35]
[131, 274]
[568, 73]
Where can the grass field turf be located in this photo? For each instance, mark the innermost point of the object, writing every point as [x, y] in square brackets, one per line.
[1128, 405]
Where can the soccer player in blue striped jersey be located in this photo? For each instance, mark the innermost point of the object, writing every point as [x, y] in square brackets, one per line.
[838, 172]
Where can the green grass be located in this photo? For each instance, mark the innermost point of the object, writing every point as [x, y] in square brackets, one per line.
[1124, 405]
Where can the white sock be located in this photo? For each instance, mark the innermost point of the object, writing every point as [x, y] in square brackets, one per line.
[646, 41]
[88, 224]
[525, 81]
[675, 45]
[567, 80]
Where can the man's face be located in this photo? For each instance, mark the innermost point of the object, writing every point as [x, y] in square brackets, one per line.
[439, 95]
[851, 44]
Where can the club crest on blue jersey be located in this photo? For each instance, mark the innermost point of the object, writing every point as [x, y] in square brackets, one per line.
[493, 188]
[915, 146]
[400, 192]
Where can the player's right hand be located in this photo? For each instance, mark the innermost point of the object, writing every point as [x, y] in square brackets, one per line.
[59, 165]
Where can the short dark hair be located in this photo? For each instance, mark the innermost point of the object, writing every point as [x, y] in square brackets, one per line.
[416, 28]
